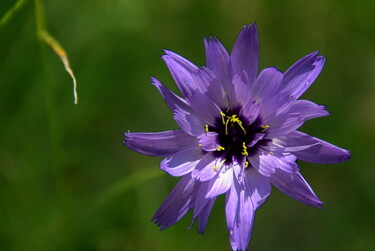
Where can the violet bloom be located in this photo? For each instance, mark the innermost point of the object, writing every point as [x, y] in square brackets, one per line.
[238, 135]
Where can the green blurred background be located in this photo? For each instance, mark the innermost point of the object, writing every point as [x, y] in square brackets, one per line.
[67, 182]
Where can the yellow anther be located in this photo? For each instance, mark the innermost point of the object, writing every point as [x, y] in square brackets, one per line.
[246, 164]
[222, 117]
[200, 145]
[264, 128]
[232, 119]
[244, 152]
[220, 148]
[206, 128]
[271, 153]
[220, 165]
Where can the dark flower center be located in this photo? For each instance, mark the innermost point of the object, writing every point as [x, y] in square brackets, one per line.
[237, 136]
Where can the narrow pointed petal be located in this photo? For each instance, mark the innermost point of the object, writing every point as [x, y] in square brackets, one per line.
[240, 217]
[258, 187]
[250, 111]
[204, 108]
[182, 162]
[256, 138]
[182, 112]
[276, 107]
[204, 215]
[266, 163]
[242, 94]
[308, 110]
[160, 144]
[217, 58]
[205, 169]
[189, 122]
[209, 141]
[177, 204]
[231, 204]
[201, 200]
[311, 149]
[283, 124]
[296, 187]
[181, 70]
[208, 84]
[203, 206]
[220, 183]
[266, 84]
[245, 53]
[299, 77]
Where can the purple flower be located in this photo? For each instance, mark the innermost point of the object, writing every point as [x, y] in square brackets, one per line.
[238, 135]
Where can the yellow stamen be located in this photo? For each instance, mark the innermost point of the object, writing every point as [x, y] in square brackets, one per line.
[206, 128]
[200, 145]
[220, 165]
[234, 119]
[226, 127]
[264, 128]
[271, 153]
[244, 152]
[220, 148]
[222, 117]
[246, 164]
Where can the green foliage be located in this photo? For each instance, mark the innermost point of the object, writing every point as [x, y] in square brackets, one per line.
[66, 181]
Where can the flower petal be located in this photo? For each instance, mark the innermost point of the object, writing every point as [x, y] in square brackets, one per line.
[203, 216]
[266, 84]
[205, 109]
[209, 141]
[181, 70]
[242, 94]
[245, 53]
[182, 162]
[182, 112]
[177, 204]
[311, 149]
[295, 186]
[266, 163]
[201, 200]
[220, 183]
[208, 84]
[299, 77]
[258, 187]
[240, 217]
[205, 169]
[282, 125]
[160, 144]
[202, 207]
[250, 111]
[217, 59]
[308, 110]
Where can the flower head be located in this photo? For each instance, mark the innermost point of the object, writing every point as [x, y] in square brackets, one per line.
[238, 134]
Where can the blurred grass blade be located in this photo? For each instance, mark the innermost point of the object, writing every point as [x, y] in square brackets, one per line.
[125, 184]
[11, 12]
[61, 53]
[44, 35]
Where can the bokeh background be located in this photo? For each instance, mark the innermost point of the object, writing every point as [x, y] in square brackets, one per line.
[67, 182]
